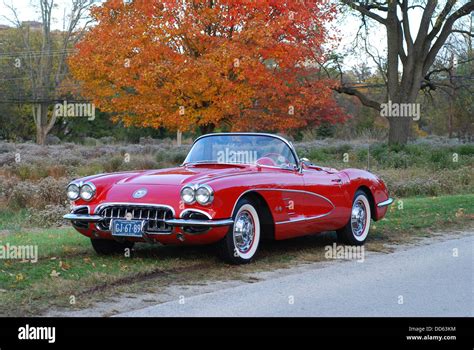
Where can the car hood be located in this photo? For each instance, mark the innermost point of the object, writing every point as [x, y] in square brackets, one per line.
[182, 175]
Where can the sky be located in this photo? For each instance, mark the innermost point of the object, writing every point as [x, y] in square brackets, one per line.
[27, 11]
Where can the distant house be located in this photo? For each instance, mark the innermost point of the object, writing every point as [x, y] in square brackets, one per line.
[34, 25]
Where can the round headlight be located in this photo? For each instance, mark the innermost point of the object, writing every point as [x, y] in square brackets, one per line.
[72, 192]
[187, 195]
[204, 195]
[87, 191]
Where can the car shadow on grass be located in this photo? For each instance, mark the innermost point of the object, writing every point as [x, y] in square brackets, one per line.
[269, 250]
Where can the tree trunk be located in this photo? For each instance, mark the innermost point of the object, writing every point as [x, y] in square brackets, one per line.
[40, 137]
[42, 122]
[400, 126]
[399, 130]
[179, 136]
[450, 119]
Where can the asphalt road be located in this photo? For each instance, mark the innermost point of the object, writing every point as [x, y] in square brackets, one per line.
[424, 280]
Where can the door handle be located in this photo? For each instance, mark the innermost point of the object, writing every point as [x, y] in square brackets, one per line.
[336, 180]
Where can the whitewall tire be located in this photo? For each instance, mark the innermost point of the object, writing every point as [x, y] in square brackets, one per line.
[357, 229]
[242, 241]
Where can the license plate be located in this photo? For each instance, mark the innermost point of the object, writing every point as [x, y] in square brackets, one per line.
[127, 228]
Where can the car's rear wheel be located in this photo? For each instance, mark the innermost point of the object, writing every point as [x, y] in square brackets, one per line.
[109, 247]
[357, 229]
[241, 243]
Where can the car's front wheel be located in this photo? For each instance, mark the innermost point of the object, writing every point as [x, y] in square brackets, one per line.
[357, 229]
[109, 247]
[241, 243]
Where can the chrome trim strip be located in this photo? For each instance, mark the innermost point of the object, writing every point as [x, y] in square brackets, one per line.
[286, 190]
[385, 203]
[111, 204]
[257, 165]
[295, 168]
[303, 219]
[196, 211]
[288, 143]
[83, 217]
[190, 222]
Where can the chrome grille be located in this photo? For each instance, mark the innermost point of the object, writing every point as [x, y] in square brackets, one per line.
[154, 216]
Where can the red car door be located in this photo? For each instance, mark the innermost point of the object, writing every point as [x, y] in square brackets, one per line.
[329, 209]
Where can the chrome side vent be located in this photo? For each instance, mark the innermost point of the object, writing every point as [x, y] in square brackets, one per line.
[81, 224]
[194, 215]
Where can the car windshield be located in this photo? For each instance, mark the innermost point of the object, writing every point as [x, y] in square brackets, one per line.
[242, 149]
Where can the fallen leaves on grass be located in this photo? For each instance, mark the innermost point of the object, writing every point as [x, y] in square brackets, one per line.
[55, 274]
[64, 266]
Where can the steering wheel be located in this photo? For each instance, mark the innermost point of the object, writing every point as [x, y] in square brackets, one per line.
[276, 158]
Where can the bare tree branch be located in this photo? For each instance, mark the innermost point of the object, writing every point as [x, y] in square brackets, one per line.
[365, 10]
[364, 99]
[464, 32]
[445, 32]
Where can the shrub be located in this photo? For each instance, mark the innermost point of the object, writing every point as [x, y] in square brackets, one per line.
[142, 163]
[177, 158]
[53, 140]
[466, 150]
[51, 191]
[20, 195]
[114, 164]
[416, 187]
[50, 216]
[6, 148]
[27, 194]
[90, 141]
[108, 140]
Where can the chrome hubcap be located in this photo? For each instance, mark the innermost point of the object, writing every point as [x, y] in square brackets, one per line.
[358, 218]
[244, 231]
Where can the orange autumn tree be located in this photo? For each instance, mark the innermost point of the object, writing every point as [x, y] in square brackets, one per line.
[180, 64]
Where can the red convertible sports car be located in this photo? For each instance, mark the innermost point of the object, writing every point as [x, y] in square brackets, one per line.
[234, 189]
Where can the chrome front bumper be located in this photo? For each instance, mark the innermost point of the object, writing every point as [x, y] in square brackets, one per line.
[83, 217]
[170, 222]
[385, 203]
[200, 223]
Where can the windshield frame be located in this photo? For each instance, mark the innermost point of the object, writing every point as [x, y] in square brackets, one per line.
[285, 141]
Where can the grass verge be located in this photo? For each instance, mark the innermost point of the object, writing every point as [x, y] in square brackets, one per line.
[69, 271]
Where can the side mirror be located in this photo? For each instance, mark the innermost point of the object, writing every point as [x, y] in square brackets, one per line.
[302, 163]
